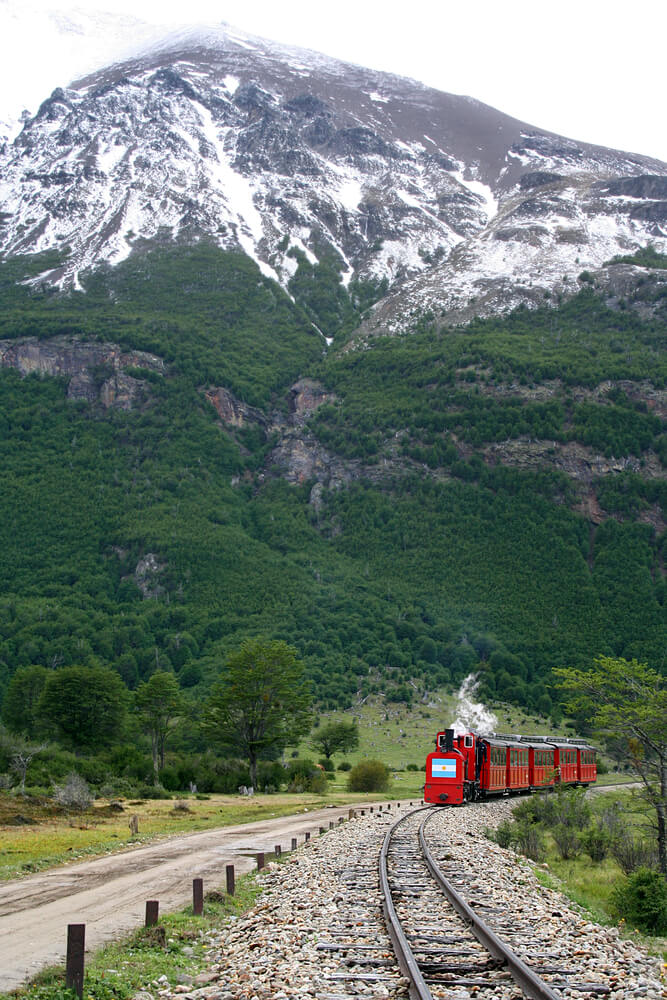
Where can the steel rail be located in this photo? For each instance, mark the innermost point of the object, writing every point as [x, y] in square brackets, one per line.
[406, 960]
[527, 980]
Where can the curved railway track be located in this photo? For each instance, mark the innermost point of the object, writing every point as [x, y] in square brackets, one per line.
[442, 944]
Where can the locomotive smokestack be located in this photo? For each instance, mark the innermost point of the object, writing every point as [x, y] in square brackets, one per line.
[449, 739]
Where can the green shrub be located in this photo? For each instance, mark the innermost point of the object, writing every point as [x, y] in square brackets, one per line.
[596, 842]
[154, 792]
[317, 783]
[345, 766]
[571, 809]
[369, 776]
[642, 901]
[633, 853]
[529, 841]
[327, 763]
[567, 841]
[412, 767]
[503, 834]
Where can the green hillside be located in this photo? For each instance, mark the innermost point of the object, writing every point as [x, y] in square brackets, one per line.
[454, 547]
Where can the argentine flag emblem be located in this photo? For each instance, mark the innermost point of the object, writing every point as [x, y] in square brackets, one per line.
[443, 767]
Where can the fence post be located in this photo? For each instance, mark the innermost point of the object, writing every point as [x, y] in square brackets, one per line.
[307, 836]
[76, 942]
[231, 884]
[260, 861]
[197, 897]
[294, 843]
[152, 910]
[278, 851]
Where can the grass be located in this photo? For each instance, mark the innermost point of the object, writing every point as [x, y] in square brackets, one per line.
[175, 949]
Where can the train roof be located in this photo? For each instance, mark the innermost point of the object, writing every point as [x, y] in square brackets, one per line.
[541, 742]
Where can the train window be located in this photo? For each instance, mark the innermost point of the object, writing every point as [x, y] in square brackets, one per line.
[467, 741]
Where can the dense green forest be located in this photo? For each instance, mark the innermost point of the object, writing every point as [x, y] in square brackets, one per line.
[436, 559]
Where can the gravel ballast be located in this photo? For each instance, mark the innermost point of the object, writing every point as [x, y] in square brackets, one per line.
[318, 931]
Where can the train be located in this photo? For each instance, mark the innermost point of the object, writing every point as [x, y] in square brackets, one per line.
[467, 767]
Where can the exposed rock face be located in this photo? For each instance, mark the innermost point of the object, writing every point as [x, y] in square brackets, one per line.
[232, 411]
[95, 371]
[305, 397]
[147, 576]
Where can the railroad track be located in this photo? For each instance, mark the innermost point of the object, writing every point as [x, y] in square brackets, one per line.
[444, 948]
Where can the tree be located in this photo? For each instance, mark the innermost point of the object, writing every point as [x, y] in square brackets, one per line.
[261, 702]
[21, 753]
[335, 737]
[159, 703]
[626, 703]
[84, 705]
[19, 708]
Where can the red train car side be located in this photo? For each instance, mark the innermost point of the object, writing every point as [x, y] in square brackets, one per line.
[471, 766]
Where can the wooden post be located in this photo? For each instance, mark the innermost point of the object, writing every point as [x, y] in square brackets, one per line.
[294, 843]
[152, 910]
[231, 884]
[307, 836]
[197, 897]
[260, 861]
[351, 813]
[76, 943]
[277, 850]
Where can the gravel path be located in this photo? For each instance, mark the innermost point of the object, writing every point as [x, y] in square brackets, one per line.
[317, 930]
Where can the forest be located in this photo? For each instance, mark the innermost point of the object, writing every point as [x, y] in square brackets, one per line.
[439, 556]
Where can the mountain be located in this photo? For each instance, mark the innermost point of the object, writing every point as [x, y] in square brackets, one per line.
[282, 152]
[294, 348]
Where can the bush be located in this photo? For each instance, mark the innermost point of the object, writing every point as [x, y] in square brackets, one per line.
[74, 794]
[503, 834]
[369, 776]
[412, 767]
[633, 853]
[642, 901]
[327, 763]
[596, 842]
[529, 841]
[345, 766]
[154, 792]
[317, 783]
[571, 809]
[566, 840]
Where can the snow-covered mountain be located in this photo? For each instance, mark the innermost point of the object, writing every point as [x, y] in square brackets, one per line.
[220, 135]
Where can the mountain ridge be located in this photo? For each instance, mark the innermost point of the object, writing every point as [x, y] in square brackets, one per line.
[280, 151]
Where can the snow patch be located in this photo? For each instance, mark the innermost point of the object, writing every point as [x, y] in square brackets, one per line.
[378, 98]
[481, 191]
[231, 83]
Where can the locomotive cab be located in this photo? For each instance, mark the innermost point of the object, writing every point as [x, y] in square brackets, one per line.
[450, 769]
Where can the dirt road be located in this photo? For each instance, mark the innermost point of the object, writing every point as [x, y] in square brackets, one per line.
[109, 894]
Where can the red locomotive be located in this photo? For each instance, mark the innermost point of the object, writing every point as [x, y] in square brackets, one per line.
[471, 766]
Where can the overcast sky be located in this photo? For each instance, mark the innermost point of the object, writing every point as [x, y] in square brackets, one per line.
[590, 69]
